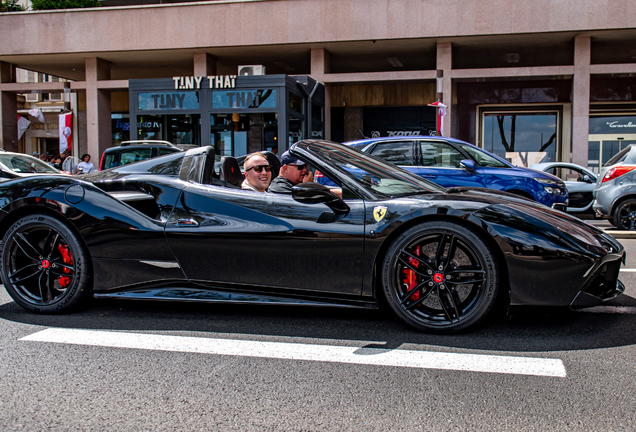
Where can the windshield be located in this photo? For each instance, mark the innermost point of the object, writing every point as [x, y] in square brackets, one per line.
[383, 179]
[24, 164]
[482, 158]
[619, 157]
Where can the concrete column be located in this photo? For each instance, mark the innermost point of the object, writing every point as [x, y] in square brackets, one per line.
[204, 64]
[8, 110]
[445, 64]
[321, 65]
[98, 121]
[581, 100]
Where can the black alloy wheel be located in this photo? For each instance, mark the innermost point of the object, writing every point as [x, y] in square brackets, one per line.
[624, 217]
[44, 266]
[440, 277]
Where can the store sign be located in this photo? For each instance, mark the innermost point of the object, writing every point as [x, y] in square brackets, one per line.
[214, 82]
[168, 101]
[404, 133]
[44, 126]
[613, 125]
[616, 124]
[243, 99]
[123, 125]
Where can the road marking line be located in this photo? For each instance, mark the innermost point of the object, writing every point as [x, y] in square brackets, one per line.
[297, 351]
[611, 309]
[628, 270]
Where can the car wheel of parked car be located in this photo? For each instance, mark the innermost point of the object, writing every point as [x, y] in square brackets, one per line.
[624, 216]
[45, 268]
[440, 277]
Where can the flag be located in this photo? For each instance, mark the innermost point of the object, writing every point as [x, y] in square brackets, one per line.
[37, 113]
[441, 113]
[65, 131]
[23, 125]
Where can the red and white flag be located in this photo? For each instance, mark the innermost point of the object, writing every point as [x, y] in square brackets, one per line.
[441, 113]
[23, 125]
[66, 131]
[37, 113]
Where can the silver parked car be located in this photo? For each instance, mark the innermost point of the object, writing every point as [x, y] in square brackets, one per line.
[579, 182]
[615, 191]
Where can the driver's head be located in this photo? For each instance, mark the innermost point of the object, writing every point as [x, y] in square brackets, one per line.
[292, 169]
[257, 171]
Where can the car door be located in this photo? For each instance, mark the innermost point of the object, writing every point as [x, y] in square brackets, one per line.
[258, 240]
[440, 162]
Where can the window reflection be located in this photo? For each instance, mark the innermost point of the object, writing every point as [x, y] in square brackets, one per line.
[522, 138]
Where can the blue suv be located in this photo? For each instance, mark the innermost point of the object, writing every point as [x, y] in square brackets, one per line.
[450, 162]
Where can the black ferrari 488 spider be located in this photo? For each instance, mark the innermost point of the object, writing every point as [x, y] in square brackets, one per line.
[171, 228]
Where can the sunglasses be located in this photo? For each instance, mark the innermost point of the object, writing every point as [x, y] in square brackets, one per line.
[300, 167]
[260, 168]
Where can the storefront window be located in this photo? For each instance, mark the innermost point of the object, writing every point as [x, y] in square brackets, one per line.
[296, 127]
[296, 103]
[120, 128]
[317, 112]
[522, 138]
[236, 134]
[175, 128]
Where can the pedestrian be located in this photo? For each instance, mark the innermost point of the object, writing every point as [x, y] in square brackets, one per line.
[85, 166]
[57, 162]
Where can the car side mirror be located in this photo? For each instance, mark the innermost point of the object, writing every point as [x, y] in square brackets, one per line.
[468, 164]
[315, 193]
[587, 179]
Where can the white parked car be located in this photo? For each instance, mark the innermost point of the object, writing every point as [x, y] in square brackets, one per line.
[579, 182]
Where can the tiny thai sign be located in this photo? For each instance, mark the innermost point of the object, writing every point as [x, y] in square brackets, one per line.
[249, 98]
[168, 101]
[214, 82]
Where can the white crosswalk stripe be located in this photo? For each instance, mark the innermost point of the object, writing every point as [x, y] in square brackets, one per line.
[313, 352]
[631, 310]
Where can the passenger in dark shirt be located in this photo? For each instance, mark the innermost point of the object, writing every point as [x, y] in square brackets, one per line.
[292, 172]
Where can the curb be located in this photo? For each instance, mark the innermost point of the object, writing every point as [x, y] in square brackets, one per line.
[618, 234]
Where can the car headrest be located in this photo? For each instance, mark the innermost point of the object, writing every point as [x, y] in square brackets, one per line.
[230, 171]
[208, 167]
[273, 160]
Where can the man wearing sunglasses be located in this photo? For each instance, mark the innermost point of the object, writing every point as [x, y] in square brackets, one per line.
[292, 172]
[258, 173]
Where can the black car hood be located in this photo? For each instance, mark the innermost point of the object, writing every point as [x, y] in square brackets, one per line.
[475, 200]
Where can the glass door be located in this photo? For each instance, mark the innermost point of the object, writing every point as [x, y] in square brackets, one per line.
[601, 149]
[609, 134]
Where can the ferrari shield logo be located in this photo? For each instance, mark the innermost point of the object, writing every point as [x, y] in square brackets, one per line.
[379, 212]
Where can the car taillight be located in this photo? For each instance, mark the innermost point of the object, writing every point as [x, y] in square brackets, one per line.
[617, 172]
[101, 163]
[318, 174]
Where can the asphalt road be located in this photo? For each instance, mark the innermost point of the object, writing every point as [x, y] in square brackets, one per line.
[57, 386]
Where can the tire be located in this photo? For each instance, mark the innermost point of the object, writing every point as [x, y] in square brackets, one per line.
[45, 268]
[624, 216]
[433, 293]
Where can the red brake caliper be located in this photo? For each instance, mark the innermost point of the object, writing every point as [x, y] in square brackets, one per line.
[410, 278]
[65, 281]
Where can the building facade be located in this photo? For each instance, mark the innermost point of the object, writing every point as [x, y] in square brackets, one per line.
[530, 81]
